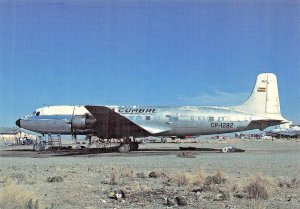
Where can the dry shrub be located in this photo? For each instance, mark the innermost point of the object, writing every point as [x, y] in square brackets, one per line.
[13, 197]
[259, 187]
[141, 175]
[157, 174]
[256, 205]
[218, 178]
[182, 179]
[69, 173]
[20, 177]
[295, 182]
[14, 177]
[198, 179]
[55, 179]
[113, 176]
[128, 173]
[234, 187]
[6, 179]
[138, 187]
[292, 183]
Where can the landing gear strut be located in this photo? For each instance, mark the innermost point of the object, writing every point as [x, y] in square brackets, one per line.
[134, 146]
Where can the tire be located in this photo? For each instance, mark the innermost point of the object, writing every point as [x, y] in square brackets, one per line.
[35, 147]
[124, 148]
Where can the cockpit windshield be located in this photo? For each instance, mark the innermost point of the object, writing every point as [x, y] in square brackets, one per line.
[36, 113]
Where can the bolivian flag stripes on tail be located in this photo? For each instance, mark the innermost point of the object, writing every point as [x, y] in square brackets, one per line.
[261, 89]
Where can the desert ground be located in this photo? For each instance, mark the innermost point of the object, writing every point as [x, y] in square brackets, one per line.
[266, 175]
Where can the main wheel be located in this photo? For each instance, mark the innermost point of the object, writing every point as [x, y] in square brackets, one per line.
[35, 147]
[124, 148]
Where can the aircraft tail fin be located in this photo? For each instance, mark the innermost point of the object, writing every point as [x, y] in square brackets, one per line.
[264, 98]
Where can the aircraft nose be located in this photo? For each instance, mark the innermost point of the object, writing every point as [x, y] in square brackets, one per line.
[18, 122]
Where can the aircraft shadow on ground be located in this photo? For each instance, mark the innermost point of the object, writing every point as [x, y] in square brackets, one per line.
[94, 151]
[159, 151]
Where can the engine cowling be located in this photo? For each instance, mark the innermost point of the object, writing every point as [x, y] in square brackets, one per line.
[82, 122]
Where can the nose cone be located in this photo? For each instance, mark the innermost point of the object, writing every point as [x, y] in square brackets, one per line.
[18, 123]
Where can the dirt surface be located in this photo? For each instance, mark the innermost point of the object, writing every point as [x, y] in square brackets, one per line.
[88, 175]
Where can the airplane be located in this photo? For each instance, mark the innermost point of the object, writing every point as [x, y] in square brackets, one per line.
[292, 132]
[259, 111]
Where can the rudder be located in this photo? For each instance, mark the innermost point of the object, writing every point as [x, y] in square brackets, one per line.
[264, 98]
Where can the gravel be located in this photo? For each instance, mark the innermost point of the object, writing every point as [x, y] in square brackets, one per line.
[83, 175]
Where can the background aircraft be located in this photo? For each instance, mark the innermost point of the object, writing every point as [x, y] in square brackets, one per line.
[261, 110]
[292, 132]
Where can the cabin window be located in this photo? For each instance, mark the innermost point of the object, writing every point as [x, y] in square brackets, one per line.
[183, 118]
[148, 117]
[227, 118]
[211, 118]
[37, 114]
[201, 118]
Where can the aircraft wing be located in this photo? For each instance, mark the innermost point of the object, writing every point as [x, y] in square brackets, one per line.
[153, 128]
[111, 124]
[285, 133]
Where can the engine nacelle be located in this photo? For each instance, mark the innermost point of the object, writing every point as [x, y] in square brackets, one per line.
[82, 122]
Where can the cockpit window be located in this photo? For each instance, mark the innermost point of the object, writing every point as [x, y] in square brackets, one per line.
[36, 113]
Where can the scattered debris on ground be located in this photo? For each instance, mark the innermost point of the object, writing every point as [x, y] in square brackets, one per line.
[186, 154]
[55, 179]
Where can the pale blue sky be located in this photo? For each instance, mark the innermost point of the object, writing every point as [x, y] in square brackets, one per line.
[145, 53]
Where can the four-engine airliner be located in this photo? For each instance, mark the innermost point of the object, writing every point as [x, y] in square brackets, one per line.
[259, 111]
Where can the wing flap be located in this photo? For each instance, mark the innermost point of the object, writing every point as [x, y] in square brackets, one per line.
[263, 124]
[154, 129]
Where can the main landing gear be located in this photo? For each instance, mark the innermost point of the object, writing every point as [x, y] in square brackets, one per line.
[128, 144]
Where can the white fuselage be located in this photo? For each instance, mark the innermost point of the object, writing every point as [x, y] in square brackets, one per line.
[179, 121]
